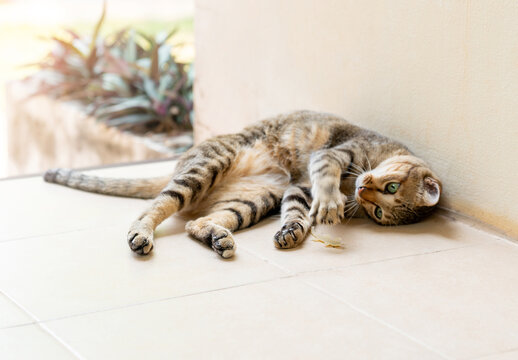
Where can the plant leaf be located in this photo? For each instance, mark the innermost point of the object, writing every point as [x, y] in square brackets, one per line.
[130, 51]
[138, 102]
[68, 46]
[154, 71]
[163, 36]
[92, 56]
[131, 119]
[150, 88]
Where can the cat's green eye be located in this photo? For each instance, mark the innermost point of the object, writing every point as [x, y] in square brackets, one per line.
[378, 212]
[392, 188]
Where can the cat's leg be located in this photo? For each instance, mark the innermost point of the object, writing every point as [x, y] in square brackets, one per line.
[239, 206]
[295, 218]
[325, 169]
[197, 171]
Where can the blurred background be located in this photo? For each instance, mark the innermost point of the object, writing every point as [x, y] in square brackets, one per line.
[50, 42]
[439, 76]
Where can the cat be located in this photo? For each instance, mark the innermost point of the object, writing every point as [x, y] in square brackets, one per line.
[316, 168]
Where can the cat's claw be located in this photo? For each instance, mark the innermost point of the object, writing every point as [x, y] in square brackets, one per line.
[290, 236]
[217, 237]
[328, 209]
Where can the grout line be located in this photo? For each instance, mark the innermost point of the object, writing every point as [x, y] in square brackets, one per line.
[304, 272]
[44, 235]
[382, 322]
[268, 261]
[115, 308]
[42, 326]
[477, 224]
[30, 237]
[482, 357]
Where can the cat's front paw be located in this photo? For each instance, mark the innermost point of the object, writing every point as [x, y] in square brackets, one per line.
[328, 208]
[140, 239]
[291, 235]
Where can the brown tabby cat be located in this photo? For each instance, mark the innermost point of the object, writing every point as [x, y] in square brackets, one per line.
[316, 167]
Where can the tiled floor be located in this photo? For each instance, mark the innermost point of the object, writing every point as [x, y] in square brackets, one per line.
[70, 288]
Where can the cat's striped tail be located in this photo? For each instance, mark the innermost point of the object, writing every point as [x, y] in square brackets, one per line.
[137, 188]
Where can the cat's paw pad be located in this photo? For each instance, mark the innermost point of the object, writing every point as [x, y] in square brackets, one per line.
[140, 240]
[223, 243]
[290, 236]
[328, 209]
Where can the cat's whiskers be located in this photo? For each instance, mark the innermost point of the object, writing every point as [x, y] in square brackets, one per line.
[368, 161]
[357, 168]
[353, 212]
[352, 173]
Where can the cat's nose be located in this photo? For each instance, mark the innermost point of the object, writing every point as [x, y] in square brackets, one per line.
[361, 189]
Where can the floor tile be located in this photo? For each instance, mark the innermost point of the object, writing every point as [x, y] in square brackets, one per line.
[94, 269]
[461, 302]
[364, 242]
[507, 355]
[283, 319]
[10, 314]
[25, 202]
[29, 343]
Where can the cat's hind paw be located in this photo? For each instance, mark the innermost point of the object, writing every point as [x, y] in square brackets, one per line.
[223, 243]
[217, 237]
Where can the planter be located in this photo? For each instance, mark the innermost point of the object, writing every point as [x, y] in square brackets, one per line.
[44, 133]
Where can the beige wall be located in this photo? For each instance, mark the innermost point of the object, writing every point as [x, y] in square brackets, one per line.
[441, 76]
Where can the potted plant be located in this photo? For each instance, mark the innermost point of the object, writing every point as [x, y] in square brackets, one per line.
[97, 100]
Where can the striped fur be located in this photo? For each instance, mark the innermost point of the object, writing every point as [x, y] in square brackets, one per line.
[309, 165]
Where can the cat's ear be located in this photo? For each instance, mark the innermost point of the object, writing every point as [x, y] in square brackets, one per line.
[432, 191]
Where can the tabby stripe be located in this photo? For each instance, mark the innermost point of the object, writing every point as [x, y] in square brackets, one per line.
[228, 148]
[335, 158]
[295, 209]
[215, 171]
[298, 199]
[250, 204]
[221, 164]
[238, 216]
[306, 191]
[215, 150]
[189, 157]
[176, 195]
[274, 198]
[192, 183]
[244, 139]
[320, 169]
[194, 171]
[266, 205]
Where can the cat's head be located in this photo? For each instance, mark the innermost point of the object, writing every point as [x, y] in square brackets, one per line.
[400, 190]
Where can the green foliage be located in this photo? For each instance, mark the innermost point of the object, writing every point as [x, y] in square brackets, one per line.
[128, 79]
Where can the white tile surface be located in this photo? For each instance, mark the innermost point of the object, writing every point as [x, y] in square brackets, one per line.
[411, 292]
[462, 302]
[363, 242]
[31, 207]
[10, 314]
[277, 320]
[94, 269]
[507, 355]
[30, 343]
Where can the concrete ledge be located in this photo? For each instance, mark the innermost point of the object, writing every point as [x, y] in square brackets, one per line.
[45, 133]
